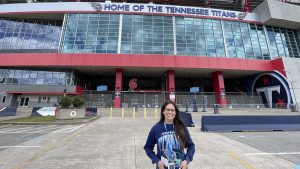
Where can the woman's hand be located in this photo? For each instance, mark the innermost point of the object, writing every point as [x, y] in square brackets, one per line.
[160, 165]
[184, 164]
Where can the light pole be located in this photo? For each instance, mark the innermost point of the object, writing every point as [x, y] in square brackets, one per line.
[65, 88]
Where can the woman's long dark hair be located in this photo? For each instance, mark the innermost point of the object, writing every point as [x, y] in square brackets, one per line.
[179, 126]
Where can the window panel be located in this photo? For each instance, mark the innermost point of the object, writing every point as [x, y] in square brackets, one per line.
[137, 29]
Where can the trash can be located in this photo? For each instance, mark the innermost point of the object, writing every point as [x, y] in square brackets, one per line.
[216, 109]
[293, 108]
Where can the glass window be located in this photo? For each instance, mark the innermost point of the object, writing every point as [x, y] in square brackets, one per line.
[98, 33]
[92, 34]
[24, 101]
[27, 32]
[48, 75]
[33, 74]
[25, 74]
[55, 75]
[39, 81]
[280, 41]
[40, 74]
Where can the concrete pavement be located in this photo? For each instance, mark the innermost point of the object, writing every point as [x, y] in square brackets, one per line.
[117, 143]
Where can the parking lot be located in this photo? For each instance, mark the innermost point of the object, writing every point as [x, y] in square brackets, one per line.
[283, 144]
[13, 135]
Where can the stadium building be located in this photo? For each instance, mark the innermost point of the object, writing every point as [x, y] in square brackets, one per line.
[140, 53]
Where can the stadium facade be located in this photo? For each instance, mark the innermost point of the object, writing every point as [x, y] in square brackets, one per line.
[119, 51]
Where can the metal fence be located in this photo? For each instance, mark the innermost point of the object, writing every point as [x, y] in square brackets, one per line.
[156, 99]
[98, 99]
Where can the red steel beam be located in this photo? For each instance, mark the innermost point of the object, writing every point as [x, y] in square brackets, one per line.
[247, 6]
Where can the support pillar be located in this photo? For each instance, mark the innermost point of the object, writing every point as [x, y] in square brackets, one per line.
[118, 88]
[171, 84]
[246, 4]
[219, 88]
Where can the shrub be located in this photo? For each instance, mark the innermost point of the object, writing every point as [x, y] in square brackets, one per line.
[65, 102]
[78, 101]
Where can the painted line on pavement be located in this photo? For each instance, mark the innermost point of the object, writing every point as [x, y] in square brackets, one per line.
[13, 129]
[243, 162]
[5, 126]
[50, 129]
[20, 146]
[19, 132]
[279, 153]
[63, 130]
[76, 128]
[53, 146]
[68, 129]
[42, 129]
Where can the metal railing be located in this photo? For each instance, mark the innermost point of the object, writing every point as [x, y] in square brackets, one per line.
[105, 99]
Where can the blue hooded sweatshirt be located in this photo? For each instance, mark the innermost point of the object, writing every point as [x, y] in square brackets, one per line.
[168, 144]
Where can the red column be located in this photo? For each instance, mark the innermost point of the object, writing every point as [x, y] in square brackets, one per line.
[118, 88]
[219, 88]
[247, 5]
[171, 84]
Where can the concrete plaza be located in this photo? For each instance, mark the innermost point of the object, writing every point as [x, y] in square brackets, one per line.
[117, 143]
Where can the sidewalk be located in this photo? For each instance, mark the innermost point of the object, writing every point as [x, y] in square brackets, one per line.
[197, 115]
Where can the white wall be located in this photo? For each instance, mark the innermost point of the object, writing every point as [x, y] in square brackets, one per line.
[292, 69]
[33, 100]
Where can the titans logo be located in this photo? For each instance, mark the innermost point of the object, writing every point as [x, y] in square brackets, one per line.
[274, 90]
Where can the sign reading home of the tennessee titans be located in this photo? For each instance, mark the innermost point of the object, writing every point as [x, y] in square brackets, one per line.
[274, 90]
[166, 9]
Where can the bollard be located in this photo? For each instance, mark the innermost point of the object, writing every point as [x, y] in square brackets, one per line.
[204, 103]
[133, 113]
[136, 107]
[216, 109]
[111, 109]
[186, 105]
[195, 107]
[293, 108]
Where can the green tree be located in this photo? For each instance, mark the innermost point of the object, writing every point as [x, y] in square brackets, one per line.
[78, 101]
[65, 102]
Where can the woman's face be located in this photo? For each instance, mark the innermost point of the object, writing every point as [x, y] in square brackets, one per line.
[169, 112]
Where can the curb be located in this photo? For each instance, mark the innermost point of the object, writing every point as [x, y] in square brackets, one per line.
[47, 123]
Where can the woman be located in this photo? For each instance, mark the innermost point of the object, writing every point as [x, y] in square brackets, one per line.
[171, 137]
